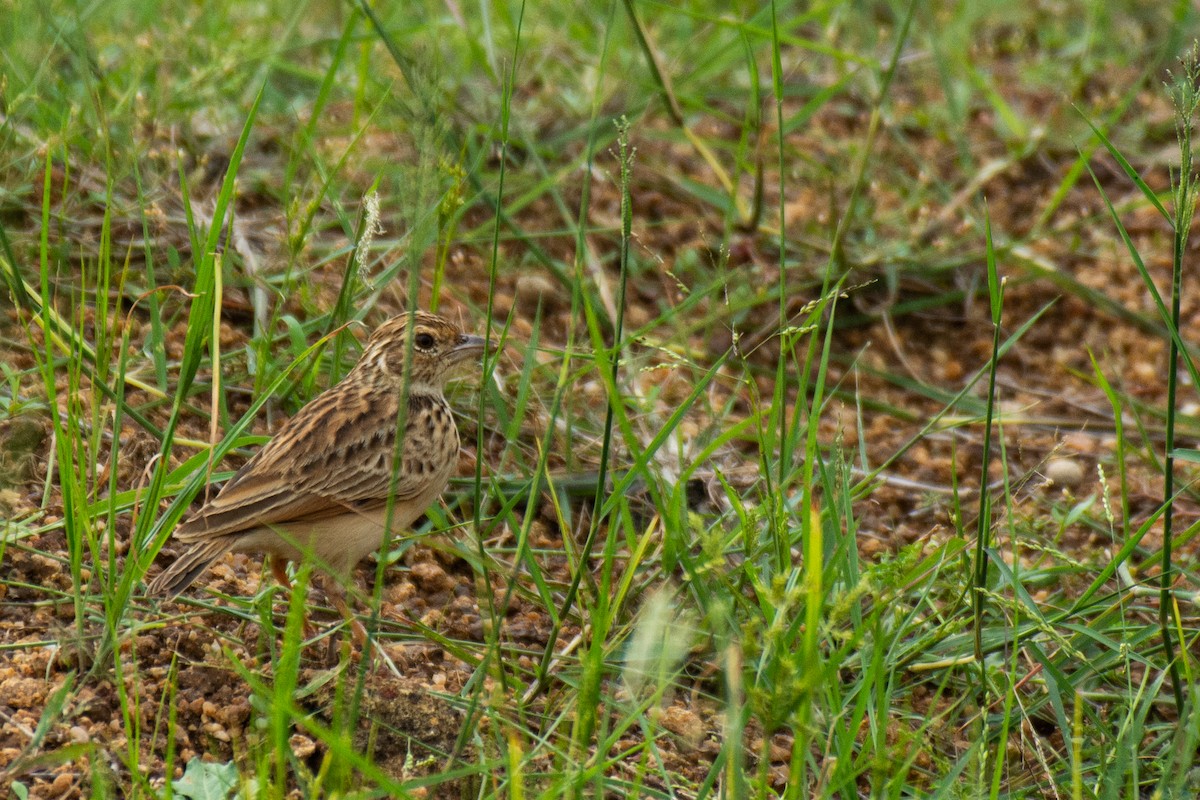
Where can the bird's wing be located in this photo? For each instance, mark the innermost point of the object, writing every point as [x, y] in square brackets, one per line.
[333, 457]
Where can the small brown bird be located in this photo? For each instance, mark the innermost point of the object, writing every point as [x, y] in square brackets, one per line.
[322, 484]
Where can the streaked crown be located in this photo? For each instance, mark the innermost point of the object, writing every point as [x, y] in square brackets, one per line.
[438, 349]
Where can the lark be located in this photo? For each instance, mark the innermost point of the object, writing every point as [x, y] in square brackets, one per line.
[327, 485]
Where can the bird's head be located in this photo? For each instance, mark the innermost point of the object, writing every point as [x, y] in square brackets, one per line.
[438, 349]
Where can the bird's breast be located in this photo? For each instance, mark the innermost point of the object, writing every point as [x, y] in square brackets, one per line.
[431, 442]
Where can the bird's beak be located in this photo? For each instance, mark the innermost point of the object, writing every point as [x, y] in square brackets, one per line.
[469, 344]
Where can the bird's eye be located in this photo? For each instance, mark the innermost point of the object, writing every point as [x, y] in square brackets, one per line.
[423, 341]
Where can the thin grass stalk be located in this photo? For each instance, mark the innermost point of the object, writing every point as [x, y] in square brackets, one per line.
[779, 418]
[1012, 577]
[113, 490]
[797, 783]
[736, 716]
[1184, 195]
[101, 327]
[983, 525]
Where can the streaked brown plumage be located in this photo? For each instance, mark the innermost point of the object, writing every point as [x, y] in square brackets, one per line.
[322, 484]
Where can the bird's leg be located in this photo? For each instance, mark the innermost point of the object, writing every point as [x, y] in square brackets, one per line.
[337, 596]
[279, 570]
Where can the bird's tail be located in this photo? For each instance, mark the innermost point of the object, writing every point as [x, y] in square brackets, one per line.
[189, 566]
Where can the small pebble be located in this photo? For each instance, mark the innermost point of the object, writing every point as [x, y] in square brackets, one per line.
[1064, 472]
[431, 577]
[302, 746]
[216, 731]
[685, 724]
[62, 782]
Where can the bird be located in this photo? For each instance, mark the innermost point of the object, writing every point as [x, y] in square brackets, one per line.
[327, 485]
